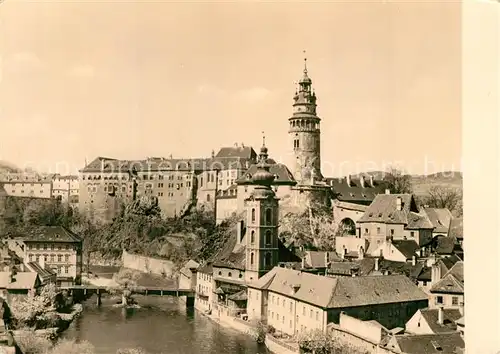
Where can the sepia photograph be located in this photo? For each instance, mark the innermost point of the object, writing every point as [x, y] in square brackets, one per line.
[232, 177]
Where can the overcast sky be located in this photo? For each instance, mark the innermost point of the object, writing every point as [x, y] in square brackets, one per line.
[130, 80]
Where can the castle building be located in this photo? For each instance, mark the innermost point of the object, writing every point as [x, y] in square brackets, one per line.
[305, 134]
[176, 184]
[262, 250]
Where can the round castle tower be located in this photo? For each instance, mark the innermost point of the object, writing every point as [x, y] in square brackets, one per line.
[304, 132]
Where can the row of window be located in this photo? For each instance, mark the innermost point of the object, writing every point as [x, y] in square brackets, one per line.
[52, 257]
[22, 191]
[50, 246]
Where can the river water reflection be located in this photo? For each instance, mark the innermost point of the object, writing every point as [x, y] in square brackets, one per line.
[161, 325]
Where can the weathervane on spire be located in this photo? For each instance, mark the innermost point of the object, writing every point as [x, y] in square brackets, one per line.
[305, 62]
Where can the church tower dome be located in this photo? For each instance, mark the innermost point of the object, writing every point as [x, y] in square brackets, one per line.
[304, 132]
[261, 251]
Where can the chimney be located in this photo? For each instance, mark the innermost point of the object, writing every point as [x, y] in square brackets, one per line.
[440, 315]
[461, 308]
[102, 165]
[414, 261]
[376, 264]
[387, 191]
[399, 204]
[304, 262]
[348, 179]
[371, 181]
[235, 145]
[362, 181]
[435, 273]
[213, 153]
[242, 145]
[327, 259]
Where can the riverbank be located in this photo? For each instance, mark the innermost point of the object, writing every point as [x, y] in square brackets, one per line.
[273, 345]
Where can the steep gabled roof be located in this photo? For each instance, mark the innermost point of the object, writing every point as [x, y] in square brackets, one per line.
[408, 248]
[384, 209]
[440, 219]
[452, 282]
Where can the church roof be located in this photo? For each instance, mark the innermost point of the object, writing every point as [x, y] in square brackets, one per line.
[282, 175]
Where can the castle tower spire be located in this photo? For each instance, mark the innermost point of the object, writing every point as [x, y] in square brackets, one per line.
[304, 132]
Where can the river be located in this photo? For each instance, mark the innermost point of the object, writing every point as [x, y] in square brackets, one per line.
[161, 325]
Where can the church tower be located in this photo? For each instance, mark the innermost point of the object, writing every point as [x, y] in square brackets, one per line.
[304, 132]
[262, 222]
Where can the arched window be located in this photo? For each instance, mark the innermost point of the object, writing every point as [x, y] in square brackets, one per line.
[253, 215]
[268, 237]
[251, 258]
[229, 275]
[252, 237]
[208, 197]
[269, 216]
[268, 259]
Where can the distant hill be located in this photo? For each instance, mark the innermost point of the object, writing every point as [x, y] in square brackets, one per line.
[6, 167]
[422, 183]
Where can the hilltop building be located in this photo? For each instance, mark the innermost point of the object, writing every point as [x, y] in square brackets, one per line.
[67, 188]
[176, 184]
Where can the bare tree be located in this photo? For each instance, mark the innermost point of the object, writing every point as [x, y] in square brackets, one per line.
[314, 227]
[445, 197]
[398, 182]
